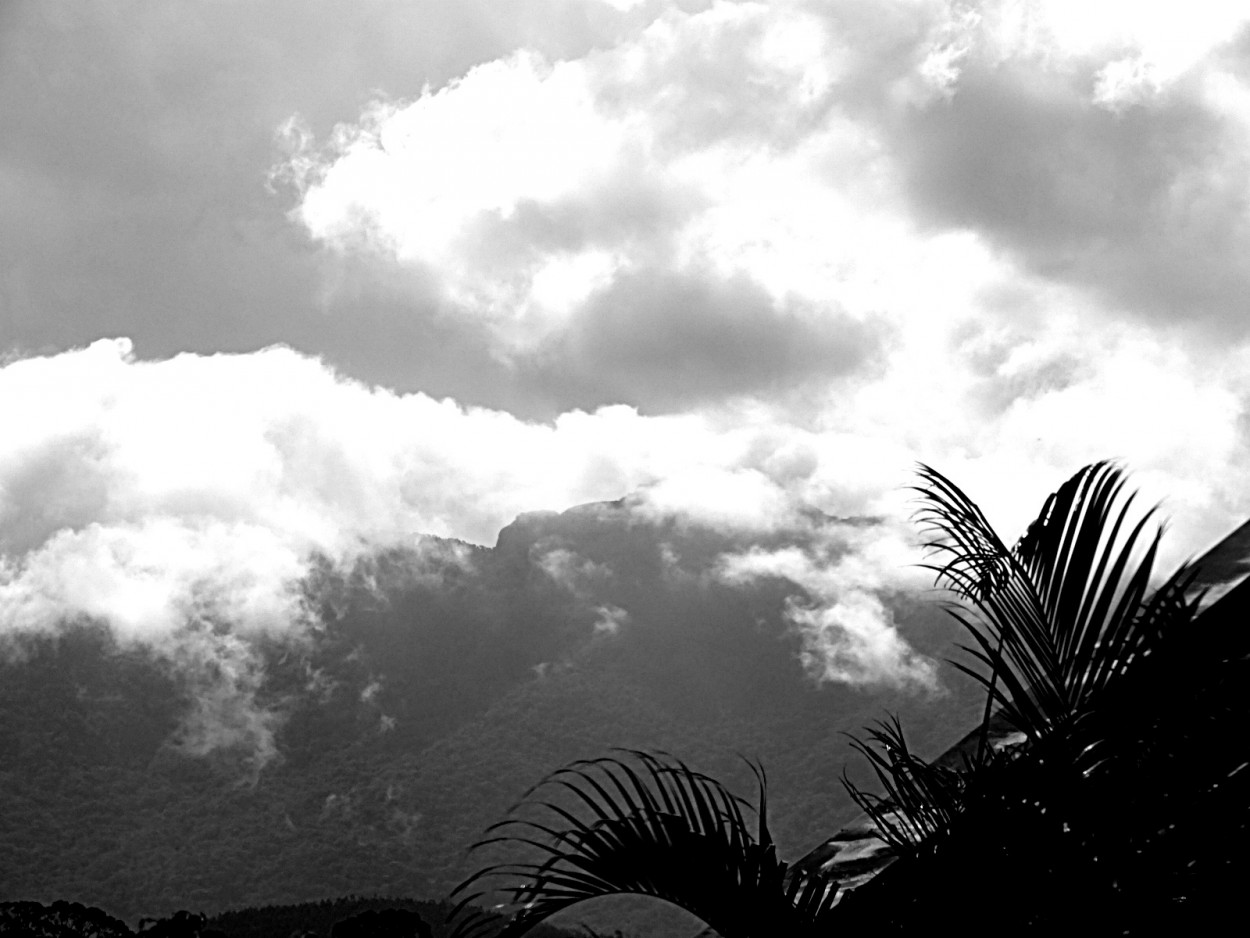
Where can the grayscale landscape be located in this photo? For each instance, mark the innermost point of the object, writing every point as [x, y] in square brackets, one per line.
[792, 424]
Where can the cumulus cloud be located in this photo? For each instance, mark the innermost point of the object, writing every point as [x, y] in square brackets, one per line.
[747, 198]
[591, 212]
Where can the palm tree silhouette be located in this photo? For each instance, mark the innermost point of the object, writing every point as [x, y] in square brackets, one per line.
[1122, 810]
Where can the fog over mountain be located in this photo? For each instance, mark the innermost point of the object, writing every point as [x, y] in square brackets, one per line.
[183, 505]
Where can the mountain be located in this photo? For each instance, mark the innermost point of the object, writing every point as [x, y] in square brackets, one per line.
[441, 682]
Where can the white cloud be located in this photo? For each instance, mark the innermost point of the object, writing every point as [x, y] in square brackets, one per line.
[570, 571]
[730, 497]
[621, 5]
[528, 188]
[225, 676]
[440, 183]
[148, 494]
[609, 619]
[181, 502]
[848, 634]
[1166, 38]
[889, 167]
[852, 640]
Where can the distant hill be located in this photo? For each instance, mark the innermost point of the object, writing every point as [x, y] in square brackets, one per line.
[447, 679]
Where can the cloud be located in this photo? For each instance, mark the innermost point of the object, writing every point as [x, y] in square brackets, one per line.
[133, 168]
[580, 578]
[595, 215]
[609, 619]
[848, 633]
[1107, 153]
[752, 200]
[182, 502]
[224, 676]
[666, 341]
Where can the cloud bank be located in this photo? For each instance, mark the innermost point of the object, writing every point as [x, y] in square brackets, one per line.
[182, 502]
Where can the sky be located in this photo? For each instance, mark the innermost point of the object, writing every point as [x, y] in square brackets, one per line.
[292, 277]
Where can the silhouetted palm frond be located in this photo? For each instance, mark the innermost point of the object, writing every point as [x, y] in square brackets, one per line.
[1130, 703]
[647, 825]
[1060, 616]
[920, 799]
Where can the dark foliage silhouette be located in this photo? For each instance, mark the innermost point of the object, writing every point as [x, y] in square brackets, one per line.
[182, 924]
[1129, 797]
[919, 800]
[384, 923]
[59, 920]
[320, 919]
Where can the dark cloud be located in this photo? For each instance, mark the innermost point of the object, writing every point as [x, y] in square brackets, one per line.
[662, 340]
[1144, 204]
[633, 210]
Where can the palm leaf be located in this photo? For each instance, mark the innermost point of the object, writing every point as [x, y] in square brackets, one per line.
[1129, 700]
[1055, 622]
[920, 800]
[644, 824]
[1058, 617]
